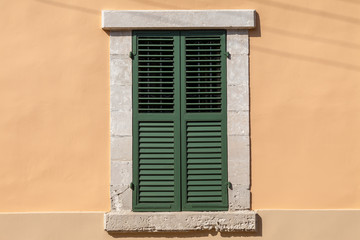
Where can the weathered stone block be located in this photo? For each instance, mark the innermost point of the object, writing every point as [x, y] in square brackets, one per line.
[121, 148]
[238, 123]
[121, 172]
[120, 42]
[120, 70]
[121, 123]
[180, 221]
[239, 160]
[239, 198]
[121, 198]
[237, 41]
[238, 98]
[238, 70]
[120, 98]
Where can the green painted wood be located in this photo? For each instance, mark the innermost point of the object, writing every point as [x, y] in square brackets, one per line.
[204, 188]
[157, 194]
[160, 167]
[156, 183]
[204, 194]
[179, 121]
[203, 122]
[204, 144]
[155, 189]
[156, 121]
[204, 161]
[201, 166]
[157, 200]
[204, 183]
[206, 199]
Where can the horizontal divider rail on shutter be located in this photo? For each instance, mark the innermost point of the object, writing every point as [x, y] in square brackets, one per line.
[179, 121]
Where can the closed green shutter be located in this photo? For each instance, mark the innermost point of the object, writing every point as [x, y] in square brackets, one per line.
[203, 116]
[179, 121]
[156, 121]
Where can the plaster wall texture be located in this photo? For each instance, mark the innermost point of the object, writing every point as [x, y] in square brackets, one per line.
[55, 101]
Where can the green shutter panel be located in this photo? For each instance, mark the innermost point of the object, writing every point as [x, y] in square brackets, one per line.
[203, 121]
[156, 121]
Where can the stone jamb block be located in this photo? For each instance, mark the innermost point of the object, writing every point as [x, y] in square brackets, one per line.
[239, 198]
[121, 173]
[121, 148]
[238, 70]
[238, 123]
[120, 42]
[237, 41]
[120, 69]
[238, 98]
[238, 160]
[120, 98]
[121, 198]
[121, 123]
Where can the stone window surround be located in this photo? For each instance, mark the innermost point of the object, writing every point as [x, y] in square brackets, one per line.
[239, 217]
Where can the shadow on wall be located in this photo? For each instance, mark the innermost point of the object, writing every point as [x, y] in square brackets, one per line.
[308, 37]
[71, 7]
[256, 32]
[311, 11]
[252, 33]
[160, 4]
[350, 1]
[197, 234]
[270, 3]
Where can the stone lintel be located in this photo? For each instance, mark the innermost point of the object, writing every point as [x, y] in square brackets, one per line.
[177, 19]
[180, 221]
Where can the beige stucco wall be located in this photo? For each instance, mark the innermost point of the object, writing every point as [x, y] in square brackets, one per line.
[275, 225]
[54, 102]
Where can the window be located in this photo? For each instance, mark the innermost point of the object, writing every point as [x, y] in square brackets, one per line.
[234, 106]
[179, 121]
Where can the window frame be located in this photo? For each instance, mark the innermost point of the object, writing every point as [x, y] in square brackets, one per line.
[236, 23]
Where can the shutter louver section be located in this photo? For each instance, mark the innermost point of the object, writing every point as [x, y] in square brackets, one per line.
[204, 168]
[156, 121]
[156, 162]
[156, 74]
[203, 73]
[203, 123]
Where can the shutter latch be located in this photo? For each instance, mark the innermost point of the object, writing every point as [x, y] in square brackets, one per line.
[132, 186]
[229, 185]
[132, 55]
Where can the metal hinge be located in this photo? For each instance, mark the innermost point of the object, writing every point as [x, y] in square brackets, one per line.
[229, 185]
[228, 55]
[132, 55]
[132, 186]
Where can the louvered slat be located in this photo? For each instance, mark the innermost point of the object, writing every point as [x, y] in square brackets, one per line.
[156, 74]
[203, 73]
[205, 173]
[157, 164]
[203, 112]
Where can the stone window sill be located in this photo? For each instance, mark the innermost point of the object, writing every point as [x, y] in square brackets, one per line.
[180, 221]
